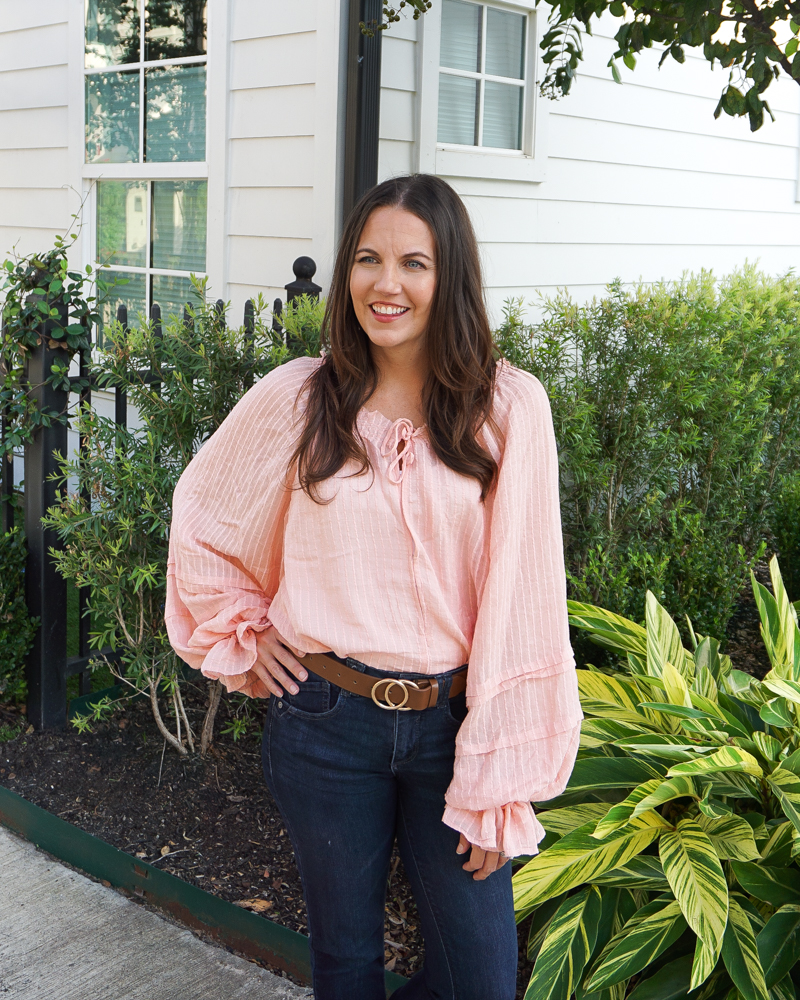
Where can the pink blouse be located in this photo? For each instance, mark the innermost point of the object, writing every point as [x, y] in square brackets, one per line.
[405, 570]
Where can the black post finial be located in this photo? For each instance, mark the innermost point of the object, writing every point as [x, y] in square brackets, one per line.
[304, 270]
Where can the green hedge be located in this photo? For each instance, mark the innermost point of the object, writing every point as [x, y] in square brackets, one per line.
[677, 411]
[17, 628]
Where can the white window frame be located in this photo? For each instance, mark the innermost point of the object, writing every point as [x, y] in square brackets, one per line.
[214, 168]
[450, 160]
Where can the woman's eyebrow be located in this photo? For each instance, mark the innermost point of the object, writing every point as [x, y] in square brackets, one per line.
[412, 253]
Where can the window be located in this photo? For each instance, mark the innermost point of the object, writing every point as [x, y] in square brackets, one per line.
[153, 235]
[145, 81]
[482, 71]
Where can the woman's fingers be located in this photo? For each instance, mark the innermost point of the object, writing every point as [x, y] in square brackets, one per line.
[266, 678]
[275, 656]
[482, 863]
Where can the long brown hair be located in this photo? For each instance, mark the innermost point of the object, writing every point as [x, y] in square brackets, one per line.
[457, 396]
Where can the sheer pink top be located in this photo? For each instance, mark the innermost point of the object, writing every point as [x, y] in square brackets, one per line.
[406, 570]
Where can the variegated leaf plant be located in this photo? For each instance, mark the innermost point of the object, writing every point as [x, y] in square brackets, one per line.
[670, 866]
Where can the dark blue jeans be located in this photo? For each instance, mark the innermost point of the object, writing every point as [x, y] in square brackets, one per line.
[349, 778]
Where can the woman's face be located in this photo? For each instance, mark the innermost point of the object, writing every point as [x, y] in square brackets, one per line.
[393, 278]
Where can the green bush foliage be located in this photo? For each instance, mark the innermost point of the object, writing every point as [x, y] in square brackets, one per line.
[17, 628]
[671, 860]
[183, 382]
[784, 522]
[677, 412]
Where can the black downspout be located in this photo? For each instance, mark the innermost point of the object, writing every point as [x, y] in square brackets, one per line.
[363, 113]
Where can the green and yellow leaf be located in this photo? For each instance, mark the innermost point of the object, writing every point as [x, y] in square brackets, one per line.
[646, 935]
[664, 641]
[599, 732]
[731, 836]
[615, 698]
[705, 961]
[786, 786]
[612, 630]
[578, 858]
[564, 821]
[725, 759]
[740, 955]
[593, 773]
[648, 795]
[696, 878]
[566, 948]
[643, 872]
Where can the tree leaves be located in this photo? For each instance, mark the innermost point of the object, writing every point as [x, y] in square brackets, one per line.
[777, 886]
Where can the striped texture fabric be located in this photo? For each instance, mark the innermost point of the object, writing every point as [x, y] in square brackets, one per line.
[404, 569]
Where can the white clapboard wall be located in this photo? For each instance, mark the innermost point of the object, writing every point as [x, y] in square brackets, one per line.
[35, 203]
[640, 181]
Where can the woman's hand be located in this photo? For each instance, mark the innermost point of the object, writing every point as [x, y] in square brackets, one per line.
[273, 657]
[483, 863]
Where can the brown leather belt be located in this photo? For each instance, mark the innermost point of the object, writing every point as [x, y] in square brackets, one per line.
[387, 692]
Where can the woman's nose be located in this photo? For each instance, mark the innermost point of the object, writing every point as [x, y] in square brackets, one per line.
[388, 281]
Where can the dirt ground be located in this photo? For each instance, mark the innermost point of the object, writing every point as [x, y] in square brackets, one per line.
[212, 821]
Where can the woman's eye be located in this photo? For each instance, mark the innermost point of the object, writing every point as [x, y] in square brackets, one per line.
[365, 260]
[416, 264]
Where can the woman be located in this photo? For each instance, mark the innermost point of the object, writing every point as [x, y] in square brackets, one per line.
[393, 505]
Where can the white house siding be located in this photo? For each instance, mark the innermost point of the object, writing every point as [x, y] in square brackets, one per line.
[641, 181]
[398, 125]
[284, 130]
[35, 203]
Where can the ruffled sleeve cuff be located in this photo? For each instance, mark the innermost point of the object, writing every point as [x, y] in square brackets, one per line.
[512, 828]
[227, 643]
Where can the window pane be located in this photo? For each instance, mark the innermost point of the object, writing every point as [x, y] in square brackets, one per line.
[176, 114]
[172, 294]
[131, 294]
[122, 222]
[458, 102]
[112, 118]
[505, 44]
[174, 28]
[461, 35]
[112, 32]
[179, 225]
[502, 116]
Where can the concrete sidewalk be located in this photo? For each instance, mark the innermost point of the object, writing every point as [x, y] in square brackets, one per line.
[66, 937]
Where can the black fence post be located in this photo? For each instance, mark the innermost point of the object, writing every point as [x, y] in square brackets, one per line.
[45, 589]
[84, 625]
[7, 475]
[249, 340]
[158, 332]
[277, 309]
[120, 396]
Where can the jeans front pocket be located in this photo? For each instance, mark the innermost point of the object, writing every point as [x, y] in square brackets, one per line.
[316, 699]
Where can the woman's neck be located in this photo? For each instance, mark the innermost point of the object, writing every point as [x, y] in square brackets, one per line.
[401, 380]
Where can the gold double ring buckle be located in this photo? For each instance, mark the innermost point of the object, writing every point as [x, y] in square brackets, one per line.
[384, 701]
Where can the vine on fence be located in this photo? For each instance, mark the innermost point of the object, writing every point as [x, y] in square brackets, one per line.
[42, 298]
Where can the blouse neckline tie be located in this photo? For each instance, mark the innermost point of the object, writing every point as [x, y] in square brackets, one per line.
[402, 430]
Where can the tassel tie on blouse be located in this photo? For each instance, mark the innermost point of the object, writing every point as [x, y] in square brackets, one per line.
[401, 430]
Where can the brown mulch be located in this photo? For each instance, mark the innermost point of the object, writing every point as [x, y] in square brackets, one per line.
[212, 821]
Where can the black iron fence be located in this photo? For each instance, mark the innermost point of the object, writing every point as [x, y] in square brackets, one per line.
[48, 666]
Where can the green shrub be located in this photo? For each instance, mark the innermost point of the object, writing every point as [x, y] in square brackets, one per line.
[671, 860]
[17, 628]
[677, 412]
[116, 545]
[784, 522]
